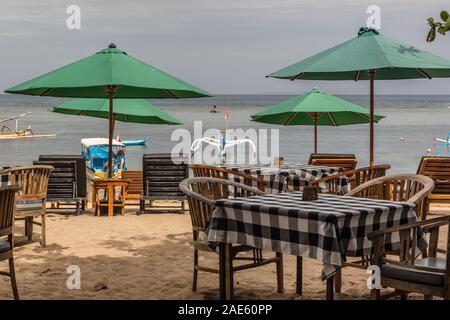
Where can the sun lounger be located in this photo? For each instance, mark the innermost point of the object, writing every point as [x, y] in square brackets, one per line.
[438, 169]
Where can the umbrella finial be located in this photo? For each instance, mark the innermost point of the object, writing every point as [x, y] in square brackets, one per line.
[112, 45]
[364, 30]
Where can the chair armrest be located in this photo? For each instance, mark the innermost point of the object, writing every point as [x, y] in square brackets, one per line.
[375, 234]
[332, 177]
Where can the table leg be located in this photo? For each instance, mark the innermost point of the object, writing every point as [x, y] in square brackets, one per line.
[222, 277]
[225, 272]
[110, 200]
[330, 289]
[299, 280]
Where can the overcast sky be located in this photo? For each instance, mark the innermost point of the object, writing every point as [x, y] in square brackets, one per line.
[222, 46]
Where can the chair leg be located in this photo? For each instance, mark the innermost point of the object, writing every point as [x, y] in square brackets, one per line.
[29, 228]
[83, 205]
[194, 280]
[77, 212]
[12, 274]
[299, 280]
[338, 282]
[43, 234]
[182, 205]
[375, 294]
[141, 206]
[280, 275]
[403, 296]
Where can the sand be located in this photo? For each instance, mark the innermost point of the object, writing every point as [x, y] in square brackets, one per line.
[148, 257]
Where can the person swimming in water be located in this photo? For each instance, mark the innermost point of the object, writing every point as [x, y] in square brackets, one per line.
[214, 109]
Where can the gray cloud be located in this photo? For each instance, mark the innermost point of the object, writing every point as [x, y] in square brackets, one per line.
[223, 46]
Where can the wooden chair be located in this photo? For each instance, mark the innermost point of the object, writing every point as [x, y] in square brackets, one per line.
[201, 194]
[135, 178]
[32, 183]
[161, 176]
[356, 178]
[438, 169]
[109, 188]
[345, 161]
[407, 187]
[203, 170]
[429, 275]
[7, 202]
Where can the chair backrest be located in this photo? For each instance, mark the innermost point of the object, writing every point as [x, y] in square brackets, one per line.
[62, 181]
[81, 170]
[162, 175]
[7, 202]
[106, 183]
[411, 188]
[201, 193]
[135, 178]
[32, 182]
[438, 169]
[355, 177]
[203, 170]
[345, 161]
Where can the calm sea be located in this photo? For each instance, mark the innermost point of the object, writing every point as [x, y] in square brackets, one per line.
[416, 119]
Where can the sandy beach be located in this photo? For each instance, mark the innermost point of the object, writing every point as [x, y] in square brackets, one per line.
[148, 257]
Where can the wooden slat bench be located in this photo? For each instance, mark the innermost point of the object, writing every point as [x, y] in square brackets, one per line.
[135, 178]
[62, 184]
[438, 169]
[346, 161]
[161, 178]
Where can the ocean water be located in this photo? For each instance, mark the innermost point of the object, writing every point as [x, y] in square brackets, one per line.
[416, 119]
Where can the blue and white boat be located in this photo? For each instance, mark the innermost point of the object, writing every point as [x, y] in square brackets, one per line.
[95, 151]
[137, 142]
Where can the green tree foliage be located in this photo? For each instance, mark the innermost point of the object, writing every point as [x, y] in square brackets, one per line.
[440, 26]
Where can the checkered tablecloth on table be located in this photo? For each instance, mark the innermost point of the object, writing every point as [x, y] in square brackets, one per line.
[290, 177]
[328, 229]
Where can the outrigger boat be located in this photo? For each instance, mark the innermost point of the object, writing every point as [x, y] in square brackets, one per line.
[95, 151]
[8, 133]
[131, 143]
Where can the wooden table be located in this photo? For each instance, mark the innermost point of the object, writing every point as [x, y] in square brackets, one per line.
[109, 185]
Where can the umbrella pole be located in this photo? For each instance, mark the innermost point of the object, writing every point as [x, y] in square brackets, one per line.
[111, 91]
[315, 132]
[371, 74]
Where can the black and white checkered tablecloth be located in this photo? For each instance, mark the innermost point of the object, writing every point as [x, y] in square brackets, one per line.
[290, 177]
[328, 229]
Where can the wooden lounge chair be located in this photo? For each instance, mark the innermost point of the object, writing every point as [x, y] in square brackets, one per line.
[356, 178]
[32, 183]
[201, 193]
[438, 169]
[407, 187]
[203, 170]
[345, 161]
[80, 178]
[429, 275]
[161, 178]
[7, 200]
[135, 178]
[62, 184]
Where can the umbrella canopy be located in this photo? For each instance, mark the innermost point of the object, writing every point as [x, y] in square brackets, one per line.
[111, 67]
[126, 110]
[109, 73]
[369, 56]
[315, 108]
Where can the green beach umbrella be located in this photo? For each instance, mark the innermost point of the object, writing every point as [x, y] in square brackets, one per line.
[109, 73]
[126, 110]
[369, 56]
[315, 108]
